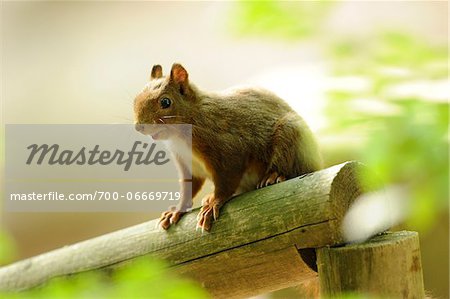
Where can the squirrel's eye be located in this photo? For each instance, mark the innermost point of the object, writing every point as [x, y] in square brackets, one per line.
[165, 103]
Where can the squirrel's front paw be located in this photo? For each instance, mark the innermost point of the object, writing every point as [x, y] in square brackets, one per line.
[172, 216]
[208, 212]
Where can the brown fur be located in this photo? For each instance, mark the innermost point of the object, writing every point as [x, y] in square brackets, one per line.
[233, 132]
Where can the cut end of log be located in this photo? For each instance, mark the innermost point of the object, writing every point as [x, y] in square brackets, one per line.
[253, 248]
[387, 265]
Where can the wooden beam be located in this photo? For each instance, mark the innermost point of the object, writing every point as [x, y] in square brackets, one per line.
[251, 249]
[387, 266]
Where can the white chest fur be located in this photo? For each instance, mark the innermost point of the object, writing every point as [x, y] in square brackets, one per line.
[180, 148]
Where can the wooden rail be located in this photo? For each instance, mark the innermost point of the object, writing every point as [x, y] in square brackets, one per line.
[264, 240]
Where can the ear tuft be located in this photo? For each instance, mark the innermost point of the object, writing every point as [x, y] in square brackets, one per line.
[178, 74]
[156, 72]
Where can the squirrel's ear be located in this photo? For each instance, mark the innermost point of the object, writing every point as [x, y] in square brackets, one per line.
[156, 72]
[179, 75]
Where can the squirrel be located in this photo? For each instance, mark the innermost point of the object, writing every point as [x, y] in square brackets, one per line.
[242, 139]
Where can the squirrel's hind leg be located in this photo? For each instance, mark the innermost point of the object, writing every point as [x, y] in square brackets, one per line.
[293, 151]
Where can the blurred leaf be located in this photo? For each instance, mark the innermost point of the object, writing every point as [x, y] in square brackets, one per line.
[144, 278]
[413, 149]
[409, 146]
[391, 48]
[279, 19]
[7, 248]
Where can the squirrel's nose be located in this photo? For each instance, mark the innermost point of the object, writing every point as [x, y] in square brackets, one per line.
[139, 127]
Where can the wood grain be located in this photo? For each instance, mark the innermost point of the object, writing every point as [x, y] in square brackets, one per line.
[252, 248]
[387, 266]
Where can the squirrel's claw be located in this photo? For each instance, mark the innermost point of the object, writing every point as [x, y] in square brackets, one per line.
[205, 218]
[216, 212]
[208, 213]
[270, 179]
[175, 217]
[170, 217]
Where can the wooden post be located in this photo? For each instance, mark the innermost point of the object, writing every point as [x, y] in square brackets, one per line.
[252, 248]
[387, 266]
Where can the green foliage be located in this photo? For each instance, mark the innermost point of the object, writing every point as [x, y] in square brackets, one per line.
[7, 248]
[409, 145]
[279, 19]
[406, 141]
[143, 279]
[388, 49]
[411, 148]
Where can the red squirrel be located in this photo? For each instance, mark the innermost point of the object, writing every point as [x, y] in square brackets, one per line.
[242, 139]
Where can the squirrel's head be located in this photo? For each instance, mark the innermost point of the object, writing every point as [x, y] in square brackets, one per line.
[164, 100]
